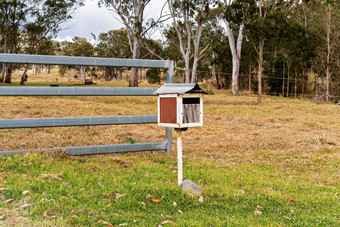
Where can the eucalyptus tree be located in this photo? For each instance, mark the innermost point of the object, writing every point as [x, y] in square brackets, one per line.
[328, 29]
[188, 18]
[45, 21]
[233, 18]
[82, 47]
[114, 44]
[213, 35]
[66, 49]
[12, 16]
[261, 17]
[131, 14]
[37, 19]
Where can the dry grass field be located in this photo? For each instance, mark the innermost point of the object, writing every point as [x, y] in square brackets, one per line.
[271, 164]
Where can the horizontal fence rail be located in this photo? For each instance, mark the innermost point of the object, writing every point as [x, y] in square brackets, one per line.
[106, 149]
[76, 91]
[84, 61]
[76, 121]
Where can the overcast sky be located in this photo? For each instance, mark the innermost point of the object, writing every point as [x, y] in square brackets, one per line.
[92, 19]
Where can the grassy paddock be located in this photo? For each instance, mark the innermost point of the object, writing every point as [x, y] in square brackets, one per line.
[274, 164]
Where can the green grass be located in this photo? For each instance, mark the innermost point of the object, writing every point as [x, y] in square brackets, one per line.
[275, 164]
[232, 195]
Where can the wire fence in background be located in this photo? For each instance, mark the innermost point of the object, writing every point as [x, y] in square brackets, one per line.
[312, 82]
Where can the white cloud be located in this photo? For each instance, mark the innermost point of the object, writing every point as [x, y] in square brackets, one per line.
[92, 19]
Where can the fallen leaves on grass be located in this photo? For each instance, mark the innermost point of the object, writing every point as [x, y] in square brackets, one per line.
[106, 194]
[109, 205]
[46, 215]
[166, 222]
[63, 197]
[201, 199]
[120, 195]
[24, 206]
[65, 185]
[291, 199]
[3, 189]
[156, 200]
[25, 192]
[54, 176]
[4, 172]
[3, 217]
[257, 212]
[104, 223]
[8, 201]
[1, 179]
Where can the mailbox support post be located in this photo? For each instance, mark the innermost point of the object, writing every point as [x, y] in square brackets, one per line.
[179, 156]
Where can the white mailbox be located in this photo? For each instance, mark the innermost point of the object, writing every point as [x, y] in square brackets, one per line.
[180, 105]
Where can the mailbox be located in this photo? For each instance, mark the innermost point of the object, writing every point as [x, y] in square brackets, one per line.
[180, 105]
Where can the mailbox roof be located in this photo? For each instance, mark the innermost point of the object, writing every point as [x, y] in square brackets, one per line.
[172, 88]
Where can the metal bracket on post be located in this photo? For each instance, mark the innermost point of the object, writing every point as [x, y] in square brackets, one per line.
[168, 131]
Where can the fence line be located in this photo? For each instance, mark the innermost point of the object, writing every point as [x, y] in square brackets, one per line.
[76, 121]
[106, 149]
[82, 61]
[293, 94]
[76, 91]
[291, 78]
[86, 91]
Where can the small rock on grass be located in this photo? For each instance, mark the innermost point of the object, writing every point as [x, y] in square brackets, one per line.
[191, 188]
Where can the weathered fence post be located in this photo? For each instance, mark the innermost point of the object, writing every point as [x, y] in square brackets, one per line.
[168, 131]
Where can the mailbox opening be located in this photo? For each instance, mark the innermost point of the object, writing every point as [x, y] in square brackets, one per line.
[191, 110]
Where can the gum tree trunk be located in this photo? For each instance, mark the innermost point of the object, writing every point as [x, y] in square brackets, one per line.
[235, 49]
[288, 78]
[23, 77]
[4, 66]
[328, 75]
[259, 73]
[133, 81]
[214, 74]
[8, 78]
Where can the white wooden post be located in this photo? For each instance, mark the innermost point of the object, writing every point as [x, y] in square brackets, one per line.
[179, 156]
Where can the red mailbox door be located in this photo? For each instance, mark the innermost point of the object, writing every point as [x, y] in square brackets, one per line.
[168, 110]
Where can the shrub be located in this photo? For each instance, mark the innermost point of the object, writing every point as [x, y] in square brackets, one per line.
[153, 76]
